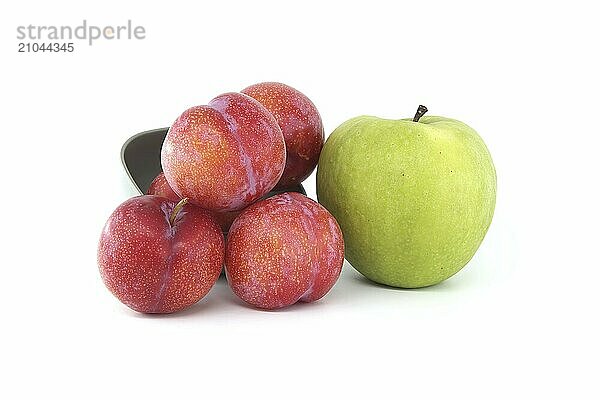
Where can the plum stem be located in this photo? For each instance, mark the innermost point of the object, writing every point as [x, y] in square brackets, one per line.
[176, 210]
[420, 112]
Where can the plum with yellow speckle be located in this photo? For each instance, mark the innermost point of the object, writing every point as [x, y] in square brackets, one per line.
[226, 155]
[300, 123]
[282, 250]
[160, 187]
[158, 256]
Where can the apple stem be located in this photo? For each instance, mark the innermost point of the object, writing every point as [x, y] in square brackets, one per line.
[176, 210]
[420, 112]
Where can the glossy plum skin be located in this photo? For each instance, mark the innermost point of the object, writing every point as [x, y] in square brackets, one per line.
[226, 155]
[160, 187]
[284, 249]
[152, 267]
[300, 123]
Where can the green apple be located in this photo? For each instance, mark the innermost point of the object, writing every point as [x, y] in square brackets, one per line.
[414, 197]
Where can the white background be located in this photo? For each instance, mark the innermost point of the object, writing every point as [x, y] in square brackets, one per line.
[520, 321]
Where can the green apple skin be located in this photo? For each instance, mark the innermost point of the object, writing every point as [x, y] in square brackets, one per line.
[414, 199]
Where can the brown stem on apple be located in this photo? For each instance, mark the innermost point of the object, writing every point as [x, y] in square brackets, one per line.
[176, 210]
[420, 112]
